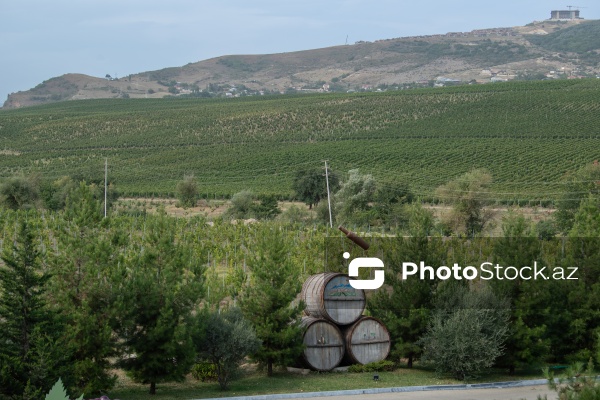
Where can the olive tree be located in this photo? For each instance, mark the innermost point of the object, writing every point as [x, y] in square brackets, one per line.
[467, 331]
[227, 339]
[468, 194]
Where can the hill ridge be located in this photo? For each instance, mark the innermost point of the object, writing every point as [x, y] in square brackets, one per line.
[479, 56]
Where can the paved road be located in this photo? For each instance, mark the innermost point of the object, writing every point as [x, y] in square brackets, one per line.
[517, 393]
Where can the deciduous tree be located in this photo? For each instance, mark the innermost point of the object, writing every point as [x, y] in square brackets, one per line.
[468, 194]
[311, 187]
[227, 339]
[467, 331]
[187, 191]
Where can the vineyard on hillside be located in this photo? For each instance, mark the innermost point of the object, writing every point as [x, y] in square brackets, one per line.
[530, 136]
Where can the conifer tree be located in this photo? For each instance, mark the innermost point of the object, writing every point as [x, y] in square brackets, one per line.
[81, 265]
[406, 308]
[160, 287]
[274, 284]
[28, 334]
[519, 247]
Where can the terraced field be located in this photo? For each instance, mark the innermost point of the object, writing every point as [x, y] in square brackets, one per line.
[529, 135]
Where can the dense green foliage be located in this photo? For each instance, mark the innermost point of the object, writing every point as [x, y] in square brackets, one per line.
[468, 194]
[159, 293]
[228, 338]
[580, 382]
[467, 330]
[352, 202]
[310, 187]
[187, 191]
[579, 185]
[30, 347]
[266, 301]
[579, 38]
[130, 291]
[486, 52]
[244, 205]
[126, 278]
[19, 193]
[527, 134]
[406, 308]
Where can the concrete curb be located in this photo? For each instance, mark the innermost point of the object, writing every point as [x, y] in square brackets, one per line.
[305, 395]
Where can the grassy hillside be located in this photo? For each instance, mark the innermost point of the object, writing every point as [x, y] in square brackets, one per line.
[529, 135]
[511, 53]
[581, 39]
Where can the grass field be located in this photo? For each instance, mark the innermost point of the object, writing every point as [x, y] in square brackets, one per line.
[256, 383]
[529, 135]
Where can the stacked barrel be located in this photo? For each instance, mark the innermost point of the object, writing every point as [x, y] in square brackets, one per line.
[334, 326]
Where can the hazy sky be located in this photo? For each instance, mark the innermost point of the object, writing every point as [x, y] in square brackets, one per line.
[41, 39]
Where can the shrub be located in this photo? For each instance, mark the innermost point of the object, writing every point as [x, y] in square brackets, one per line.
[267, 208]
[19, 193]
[187, 191]
[377, 366]
[580, 384]
[205, 371]
[294, 214]
[227, 339]
[467, 332]
[242, 204]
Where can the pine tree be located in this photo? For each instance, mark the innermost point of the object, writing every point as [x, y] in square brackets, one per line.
[82, 289]
[274, 284]
[24, 321]
[406, 308]
[161, 285]
[519, 247]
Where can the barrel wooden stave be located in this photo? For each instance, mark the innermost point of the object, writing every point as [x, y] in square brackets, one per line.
[329, 295]
[367, 341]
[324, 344]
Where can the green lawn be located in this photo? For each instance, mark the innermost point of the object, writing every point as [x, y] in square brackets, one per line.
[282, 382]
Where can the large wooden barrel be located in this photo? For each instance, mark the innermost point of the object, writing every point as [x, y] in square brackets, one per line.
[324, 344]
[329, 295]
[367, 340]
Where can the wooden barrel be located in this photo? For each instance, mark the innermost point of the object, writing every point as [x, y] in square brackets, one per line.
[324, 344]
[367, 340]
[329, 295]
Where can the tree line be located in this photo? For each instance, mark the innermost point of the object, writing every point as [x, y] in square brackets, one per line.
[79, 291]
[135, 292]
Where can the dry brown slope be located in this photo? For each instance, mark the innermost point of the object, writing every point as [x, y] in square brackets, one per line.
[462, 56]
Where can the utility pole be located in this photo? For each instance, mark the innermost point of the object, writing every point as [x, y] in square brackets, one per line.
[105, 183]
[328, 196]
